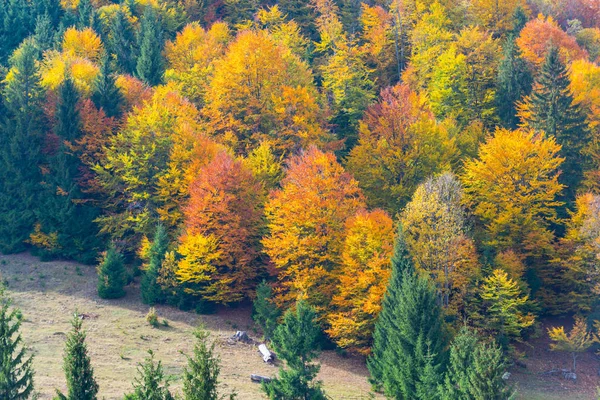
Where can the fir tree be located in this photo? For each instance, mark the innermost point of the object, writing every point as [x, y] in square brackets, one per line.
[16, 372]
[20, 143]
[150, 383]
[513, 83]
[81, 384]
[50, 9]
[303, 14]
[44, 33]
[240, 11]
[152, 292]
[16, 23]
[265, 312]
[107, 95]
[201, 376]
[121, 43]
[86, 15]
[475, 370]
[295, 342]
[409, 339]
[111, 275]
[150, 63]
[550, 109]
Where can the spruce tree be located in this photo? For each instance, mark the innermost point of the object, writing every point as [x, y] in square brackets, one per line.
[16, 372]
[17, 21]
[409, 339]
[121, 43]
[44, 33]
[513, 83]
[152, 292]
[150, 63]
[553, 111]
[303, 14]
[201, 376]
[475, 370]
[265, 312]
[20, 144]
[112, 275]
[107, 95]
[150, 384]
[81, 384]
[296, 342]
[86, 15]
[64, 211]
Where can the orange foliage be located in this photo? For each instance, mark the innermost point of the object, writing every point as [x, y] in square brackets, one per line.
[135, 92]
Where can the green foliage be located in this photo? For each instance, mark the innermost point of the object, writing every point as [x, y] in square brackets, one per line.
[296, 342]
[409, 340]
[475, 370]
[16, 372]
[151, 291]
[81, 384]
[121, 43]
[107, 95]
[150, 62]
[20, 144]
[152, 318]
[201, 376]
[111, 275]
[17, 20]
[513, 83]
[265, 312]
[150, 384]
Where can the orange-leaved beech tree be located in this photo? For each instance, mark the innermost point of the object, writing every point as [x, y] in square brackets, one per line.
[220, 246]
[363, 278]
[400, 144]
[307, 223]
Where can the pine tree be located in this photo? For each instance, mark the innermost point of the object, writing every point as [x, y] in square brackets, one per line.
[44, 33]
[121, 43]
[16, 372]
[64, 212]
[513, 83]
[152, 293]
[295, 342]
[111, 275]
[550, 109]
[409, 338]
[265, 312]
[150, 63]
[475, 370]
[20, 143]
[17, 20]
[81, 384]
[201, 376]
[150, 383]
[107, 95]
[86, 15]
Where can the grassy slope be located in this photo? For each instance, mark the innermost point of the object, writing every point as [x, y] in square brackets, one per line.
[118, 335]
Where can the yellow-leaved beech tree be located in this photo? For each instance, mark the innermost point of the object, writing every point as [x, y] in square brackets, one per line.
[363, 278]
[220, 246]
[307, 223]
[435, 232]
[261, 90]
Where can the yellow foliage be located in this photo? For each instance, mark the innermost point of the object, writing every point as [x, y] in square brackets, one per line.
[82, 44]
[198, 252]
[56, 66]
[48, 241]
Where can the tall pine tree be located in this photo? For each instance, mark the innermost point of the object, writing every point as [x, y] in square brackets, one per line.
[20, 144]
[81, 384]
[121, 43]
[409, 340]
[17, 20]
[16, 373]
[152, 292]
[150, 62]
[107, 95]
[550, 108]
[513, 83]
[150, 384]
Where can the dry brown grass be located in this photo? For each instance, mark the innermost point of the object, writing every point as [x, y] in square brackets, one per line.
[119, 336]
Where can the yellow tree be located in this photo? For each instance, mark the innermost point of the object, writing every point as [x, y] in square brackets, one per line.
[363, 278]
[306, 221]
[496, 15]
[577, 341]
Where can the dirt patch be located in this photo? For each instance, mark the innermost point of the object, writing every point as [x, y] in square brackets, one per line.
[119, 337]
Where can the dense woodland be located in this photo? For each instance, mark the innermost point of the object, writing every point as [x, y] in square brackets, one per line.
[283, 152]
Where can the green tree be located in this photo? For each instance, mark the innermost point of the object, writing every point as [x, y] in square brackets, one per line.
[150, 384]
[265, 312]
[111, 275]
[17, 20]
[20, 143]
[201, 376]
[513, 83]
[475, 370]
[408, 349]
[121, 43]
[550, 108]
[81, 384]
[295, 342]
[16, 372]
[152, 292]
[150, 62]
[107, 95]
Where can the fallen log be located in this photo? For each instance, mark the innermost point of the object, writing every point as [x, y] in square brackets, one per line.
[259, 378]
[267, 356]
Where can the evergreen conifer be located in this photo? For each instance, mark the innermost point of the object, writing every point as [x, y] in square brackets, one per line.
[150, 383]
[152, 292]
[513, 83]
[265, 312]
[150, 63]
[121, 43]
[111, 275]
[107, 95]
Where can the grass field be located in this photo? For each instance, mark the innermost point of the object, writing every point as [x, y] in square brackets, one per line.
[119, 337]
